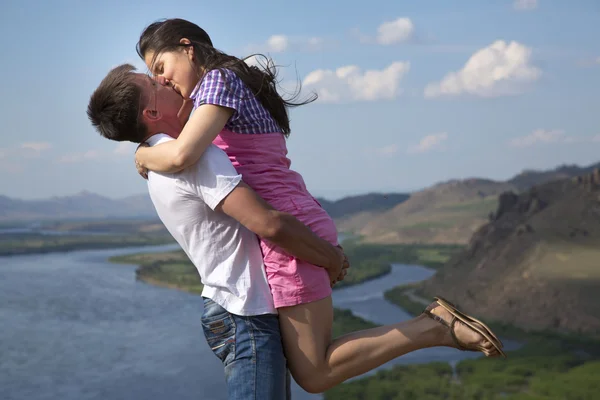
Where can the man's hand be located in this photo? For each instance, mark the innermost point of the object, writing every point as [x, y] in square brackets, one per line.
[282, 229]
[141, 170]
[334, 270]
[344, 270]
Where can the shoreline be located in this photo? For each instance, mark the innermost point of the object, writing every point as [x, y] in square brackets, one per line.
[71, 244]
[367, 262]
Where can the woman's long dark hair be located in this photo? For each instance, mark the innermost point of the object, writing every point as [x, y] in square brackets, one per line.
[165, 35]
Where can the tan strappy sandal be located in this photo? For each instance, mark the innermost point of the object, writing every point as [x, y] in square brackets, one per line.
[469, 321]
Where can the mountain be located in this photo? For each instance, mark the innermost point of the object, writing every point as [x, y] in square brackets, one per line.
[529, 178]
[536, 264]
[84, 205]
[448, 212]
[372, 202]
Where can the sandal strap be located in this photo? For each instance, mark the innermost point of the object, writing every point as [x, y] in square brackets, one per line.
[450, 325]
[436, 317]
[452, 332]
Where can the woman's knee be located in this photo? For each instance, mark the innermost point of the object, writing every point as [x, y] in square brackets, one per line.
[314, 382]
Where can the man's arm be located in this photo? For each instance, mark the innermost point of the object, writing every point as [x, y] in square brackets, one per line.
[283, 229]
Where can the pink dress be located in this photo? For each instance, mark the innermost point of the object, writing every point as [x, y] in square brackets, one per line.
[258, 151]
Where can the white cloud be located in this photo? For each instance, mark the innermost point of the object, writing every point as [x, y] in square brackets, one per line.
[259, 61]
[540, 136]
[525, 5]
[350, 83]
[398, 31]
[282, 43]
[500, 69]
[253, 61]
[277, 43]
[36, 146]
[125, 149]
[79, 157]
[429, 142]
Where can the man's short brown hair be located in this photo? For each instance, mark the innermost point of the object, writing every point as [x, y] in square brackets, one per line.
[114, 107]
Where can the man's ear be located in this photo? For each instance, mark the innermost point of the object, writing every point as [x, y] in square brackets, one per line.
[151, 116]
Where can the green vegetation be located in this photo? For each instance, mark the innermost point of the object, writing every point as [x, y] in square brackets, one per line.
[479, 206]
[85, 235]
[537, 371]
[547, 367]
[171, 269]
[406, 297]
[451, 215]
[116, 226]
[435, 224]
[364, 257]
[17, 244]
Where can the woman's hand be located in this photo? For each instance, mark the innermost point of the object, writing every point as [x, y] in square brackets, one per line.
[141, 170]
[184, 112]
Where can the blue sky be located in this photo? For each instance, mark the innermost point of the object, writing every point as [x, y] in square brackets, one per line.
[412, 92]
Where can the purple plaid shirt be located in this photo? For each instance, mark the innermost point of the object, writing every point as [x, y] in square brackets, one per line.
[228, 90]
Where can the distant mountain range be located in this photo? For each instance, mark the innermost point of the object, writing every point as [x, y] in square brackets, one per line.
[536, 263]
[461, 205]
[86, 205]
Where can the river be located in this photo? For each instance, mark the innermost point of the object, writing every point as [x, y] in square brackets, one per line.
[74, 326]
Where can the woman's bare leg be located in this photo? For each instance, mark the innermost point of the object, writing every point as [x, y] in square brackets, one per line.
[317, 363]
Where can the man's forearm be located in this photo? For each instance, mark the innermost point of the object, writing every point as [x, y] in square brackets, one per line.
[301, 242]
[280, 228]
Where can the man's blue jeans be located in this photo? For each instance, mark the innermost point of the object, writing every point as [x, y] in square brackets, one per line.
[251, 351]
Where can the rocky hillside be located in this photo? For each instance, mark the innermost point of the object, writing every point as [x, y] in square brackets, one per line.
[529, 178]
[448, 212]
[536, 263]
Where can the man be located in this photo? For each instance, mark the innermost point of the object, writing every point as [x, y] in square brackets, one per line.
[214, 217]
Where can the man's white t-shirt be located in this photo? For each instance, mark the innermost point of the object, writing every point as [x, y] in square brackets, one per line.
[226, 254]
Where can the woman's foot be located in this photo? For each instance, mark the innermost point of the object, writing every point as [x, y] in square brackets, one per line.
[459, 335]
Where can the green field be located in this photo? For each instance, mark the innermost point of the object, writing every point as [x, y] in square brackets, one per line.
[536, 372]
[432, 256]
[548, 366]
[85, 235]
[36, 243]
